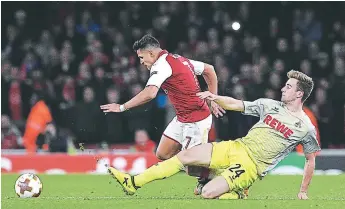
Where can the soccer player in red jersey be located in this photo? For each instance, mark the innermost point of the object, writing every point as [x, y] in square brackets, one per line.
[177, 76]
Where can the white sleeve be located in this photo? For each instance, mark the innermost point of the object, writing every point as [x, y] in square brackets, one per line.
[310, 143]
[199, 67]
[258, 107]
[159, 73]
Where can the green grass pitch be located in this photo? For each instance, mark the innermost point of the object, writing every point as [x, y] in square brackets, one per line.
[101, 191]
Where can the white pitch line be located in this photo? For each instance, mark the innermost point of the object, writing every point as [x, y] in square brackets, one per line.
[168, 198]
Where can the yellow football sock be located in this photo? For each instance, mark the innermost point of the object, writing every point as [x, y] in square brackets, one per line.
[159, 171]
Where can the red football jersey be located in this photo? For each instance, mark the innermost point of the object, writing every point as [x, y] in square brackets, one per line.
[177, 77]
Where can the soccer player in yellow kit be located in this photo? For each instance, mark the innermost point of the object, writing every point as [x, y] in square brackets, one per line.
[282, 126]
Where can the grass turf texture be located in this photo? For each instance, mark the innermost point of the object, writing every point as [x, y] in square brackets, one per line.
[101, 191]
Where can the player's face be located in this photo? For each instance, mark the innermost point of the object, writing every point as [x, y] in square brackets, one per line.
[290, 92]
[146, 58]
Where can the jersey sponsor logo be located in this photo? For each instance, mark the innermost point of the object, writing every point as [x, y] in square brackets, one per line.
[165, 91]
[279, 126]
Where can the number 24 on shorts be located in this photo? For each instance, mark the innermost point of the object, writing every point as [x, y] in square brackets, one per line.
[237, 170]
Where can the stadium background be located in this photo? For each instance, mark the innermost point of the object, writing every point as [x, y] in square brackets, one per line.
[75, 56]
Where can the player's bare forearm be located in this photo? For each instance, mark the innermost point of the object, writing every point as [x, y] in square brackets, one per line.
[225, 102]
[229, 103]
[309, 168]
[143, 97]
[211, 79]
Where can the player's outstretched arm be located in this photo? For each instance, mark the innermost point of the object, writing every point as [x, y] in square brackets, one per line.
[307, 176]
[146, 95]
[225, 102]
[210, 77]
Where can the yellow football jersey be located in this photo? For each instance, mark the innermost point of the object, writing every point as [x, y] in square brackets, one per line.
[276, 134]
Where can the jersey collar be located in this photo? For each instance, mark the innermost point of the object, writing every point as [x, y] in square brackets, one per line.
[162, 52]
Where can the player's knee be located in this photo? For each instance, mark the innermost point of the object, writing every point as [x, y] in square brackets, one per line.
[186, 157]
[162, 156]
[208, 193]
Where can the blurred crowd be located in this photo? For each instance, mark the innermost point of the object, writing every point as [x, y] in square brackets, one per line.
[61, 60]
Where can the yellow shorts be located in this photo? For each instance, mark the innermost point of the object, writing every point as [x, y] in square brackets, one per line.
[239, 170]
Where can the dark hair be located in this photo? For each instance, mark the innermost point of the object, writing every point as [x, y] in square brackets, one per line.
[145, 42]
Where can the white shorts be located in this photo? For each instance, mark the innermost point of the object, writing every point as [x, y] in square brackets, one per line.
[189, 134]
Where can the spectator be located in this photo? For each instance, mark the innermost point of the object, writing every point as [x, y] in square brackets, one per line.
[306, 67]
[53, 67]
[323, 112]
[62, 56]
[88, 117]
[231, 56]
[297, 50]
[273, 28]
[193, 38]
[100, 84]
[264, 64]
[87, 24]
[279, 66]
[282, 49]
[224, 81]
[275, 82]
[67, 59]
[44, 46]
[139, 117]
[310, 27]
[239, 125]
[11, 45]
[29, 64]
[40, 84]
[270, 94]
[213, 39]
[40, 115]
[69, 33]
[245, 74]
[96, 57]
[64, 118]
[17, 94]
[256, 87]
[313, 51]
[114, 122]
[83, 79]
[10, 135]
[54, 141]
[322, 66]
[337, 96]
[20, 17]
[143, 143]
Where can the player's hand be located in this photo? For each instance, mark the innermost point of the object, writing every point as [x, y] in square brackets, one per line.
[217, 110]
[302, 196]
[111, 108]
[207, 95]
